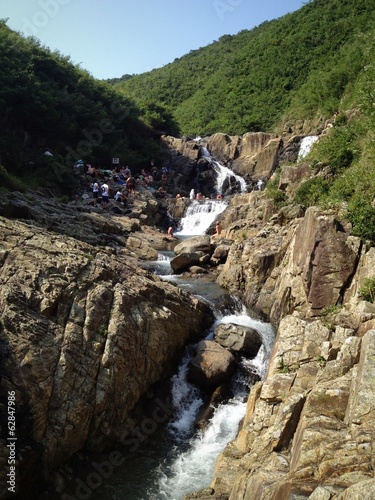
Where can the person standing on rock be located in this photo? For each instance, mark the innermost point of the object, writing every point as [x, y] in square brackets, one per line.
[192, 194]
[95, 192]
[105, 195]
[130, 185]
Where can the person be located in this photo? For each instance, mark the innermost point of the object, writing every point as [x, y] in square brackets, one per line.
[170, 231]
[105, 195]
[260, 184]
[130, 185]
[218, 230]
[192, 194]
[199, 196]
[118, 196]
[160, 193]
[95, 192]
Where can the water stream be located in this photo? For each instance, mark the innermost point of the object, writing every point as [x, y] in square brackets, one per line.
[306, 145]
[169, 461]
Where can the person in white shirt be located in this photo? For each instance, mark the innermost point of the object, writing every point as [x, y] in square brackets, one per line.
[95, 192]
[105, 195]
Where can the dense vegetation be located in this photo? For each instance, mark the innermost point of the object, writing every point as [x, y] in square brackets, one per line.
[48, 104]
[295, 66]
[306, 65]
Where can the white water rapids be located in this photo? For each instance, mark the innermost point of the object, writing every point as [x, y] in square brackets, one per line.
[223, 173]
[192, 468]
[189, 464]
[199, 216]
[169, 463]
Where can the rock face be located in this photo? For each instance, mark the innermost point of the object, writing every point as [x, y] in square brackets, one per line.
[252, 156]
[84, 333]
[309, 427]
[304, 265]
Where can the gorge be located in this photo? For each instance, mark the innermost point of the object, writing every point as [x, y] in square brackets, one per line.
[88, 335]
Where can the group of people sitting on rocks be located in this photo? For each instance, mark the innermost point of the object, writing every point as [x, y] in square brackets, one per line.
[123, 183]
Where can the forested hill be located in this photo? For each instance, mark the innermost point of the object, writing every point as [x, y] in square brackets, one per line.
[49, 104]
[297, 66]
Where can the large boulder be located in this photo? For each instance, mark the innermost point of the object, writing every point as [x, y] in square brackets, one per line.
[212, 365]
[184, 260]
[194, 244]
[238, 338]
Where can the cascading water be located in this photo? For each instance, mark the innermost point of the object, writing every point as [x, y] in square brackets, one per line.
[190, 466]
[306, 145]
[199, 217]
[224, 173]
[174, 461]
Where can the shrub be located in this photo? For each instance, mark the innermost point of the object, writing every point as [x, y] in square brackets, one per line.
[10, 182]
[337, 149]
[272, 191]
[312, 191]
[367, 291]
[361, 214]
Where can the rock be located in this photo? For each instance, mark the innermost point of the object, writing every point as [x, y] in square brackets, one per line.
[237, 338]
[221, 394]
[84, 334]
[142, 249]
[212, 366]
[183, 261]
[194, 244]
[221, 253]
[197, 270]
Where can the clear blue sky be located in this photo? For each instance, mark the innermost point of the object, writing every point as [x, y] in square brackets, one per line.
[110, 38]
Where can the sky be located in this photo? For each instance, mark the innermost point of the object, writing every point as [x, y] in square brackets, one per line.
[111, 38]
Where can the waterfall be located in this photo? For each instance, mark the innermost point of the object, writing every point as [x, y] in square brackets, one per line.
[199, 217]
[180, 459]
[190, 467]
[306, 145]
[224, 173]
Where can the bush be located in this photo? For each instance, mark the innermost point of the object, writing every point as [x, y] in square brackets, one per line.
[10, 182]
[367, 291]
[337, 149]
[362, 217]
[272, 191]
[312, 191]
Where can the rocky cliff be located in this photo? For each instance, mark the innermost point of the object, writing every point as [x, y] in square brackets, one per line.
[309, 427]
[84, 333]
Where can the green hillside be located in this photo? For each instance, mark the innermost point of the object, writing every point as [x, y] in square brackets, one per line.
[299, 65]
[308, 65]
[49, 104]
